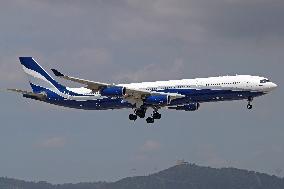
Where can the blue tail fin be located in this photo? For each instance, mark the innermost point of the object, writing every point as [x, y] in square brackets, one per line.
[39, 79]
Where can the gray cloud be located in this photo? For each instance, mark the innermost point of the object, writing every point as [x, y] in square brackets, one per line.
[83, 35]
[129, 41]
[150, 145]
[245, 19]
[53, 142]
[153, 72]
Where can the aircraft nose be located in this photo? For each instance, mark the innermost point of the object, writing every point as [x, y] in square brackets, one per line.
[272, 86]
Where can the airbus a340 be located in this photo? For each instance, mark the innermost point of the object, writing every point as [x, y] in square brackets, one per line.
[185, 94]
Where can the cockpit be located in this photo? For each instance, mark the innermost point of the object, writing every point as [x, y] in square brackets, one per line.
[264, 80]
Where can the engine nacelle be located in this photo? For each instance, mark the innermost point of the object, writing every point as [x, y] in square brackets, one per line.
[158, 100]
[187, 107]
[113, 91]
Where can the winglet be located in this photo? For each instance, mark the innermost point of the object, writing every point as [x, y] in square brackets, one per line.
[57, 73]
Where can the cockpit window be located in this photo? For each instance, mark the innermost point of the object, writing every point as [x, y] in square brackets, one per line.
[264, 81]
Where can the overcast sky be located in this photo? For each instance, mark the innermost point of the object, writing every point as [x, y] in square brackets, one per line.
[120, 41]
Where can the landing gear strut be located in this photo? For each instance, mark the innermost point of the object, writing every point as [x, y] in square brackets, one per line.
[140, 112]
[249, 106]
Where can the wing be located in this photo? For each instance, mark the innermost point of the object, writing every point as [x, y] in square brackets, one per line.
[94, 86]
[131, 95]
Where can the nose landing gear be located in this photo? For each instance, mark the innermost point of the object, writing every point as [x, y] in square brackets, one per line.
[249, 106]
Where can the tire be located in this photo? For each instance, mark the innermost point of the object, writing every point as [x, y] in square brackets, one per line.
[150, 120]
[132, 117]
[249, 106]
[157, 115]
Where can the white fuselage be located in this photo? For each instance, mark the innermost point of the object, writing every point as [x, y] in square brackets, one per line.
[234, 83]
[238, 82]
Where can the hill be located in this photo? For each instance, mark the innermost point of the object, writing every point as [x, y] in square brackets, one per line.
[184, 176]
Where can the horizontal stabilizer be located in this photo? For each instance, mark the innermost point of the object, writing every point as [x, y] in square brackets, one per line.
[28, 94]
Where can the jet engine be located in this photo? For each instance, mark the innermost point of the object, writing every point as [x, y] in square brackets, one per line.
[114, 91]
[158, 100]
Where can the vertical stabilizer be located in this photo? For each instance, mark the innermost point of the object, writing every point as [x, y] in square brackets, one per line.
[39, 79]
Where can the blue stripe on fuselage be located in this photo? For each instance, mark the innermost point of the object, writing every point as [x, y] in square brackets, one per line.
[193, 95]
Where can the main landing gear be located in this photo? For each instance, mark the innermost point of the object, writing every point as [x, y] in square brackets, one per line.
[155, 115]
[138, 113]
[141, 112]
[249, 106]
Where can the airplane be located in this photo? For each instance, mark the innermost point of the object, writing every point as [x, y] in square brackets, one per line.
[185, 94]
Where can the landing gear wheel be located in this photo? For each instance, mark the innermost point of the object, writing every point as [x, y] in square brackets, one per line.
[249, 106]
[132, 117]
[157, 115]
[150, 120]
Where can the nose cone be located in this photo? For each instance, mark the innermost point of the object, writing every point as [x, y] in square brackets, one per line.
[272, 86]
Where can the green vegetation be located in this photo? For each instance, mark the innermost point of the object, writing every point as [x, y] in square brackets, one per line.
[185, 176]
